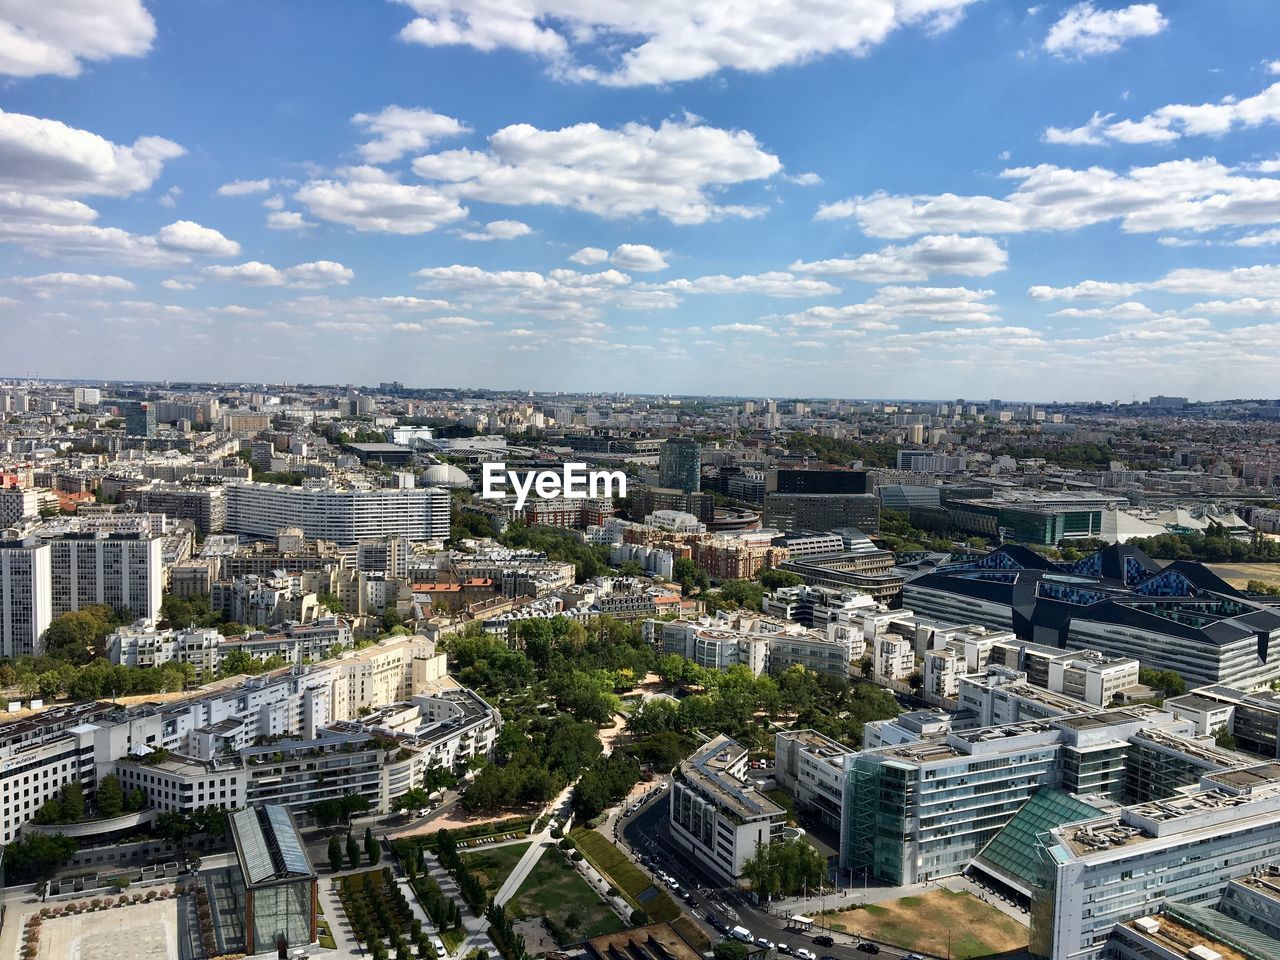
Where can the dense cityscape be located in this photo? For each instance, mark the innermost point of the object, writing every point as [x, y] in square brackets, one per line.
[700, 480]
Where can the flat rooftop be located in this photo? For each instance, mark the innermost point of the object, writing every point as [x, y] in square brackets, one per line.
[1179, 938]
[708, 768]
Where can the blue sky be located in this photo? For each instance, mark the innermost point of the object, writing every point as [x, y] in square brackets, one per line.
[917, 198]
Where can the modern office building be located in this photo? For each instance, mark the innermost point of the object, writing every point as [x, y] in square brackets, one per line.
[26, 596]
[273, 884]
[717, 813]
[1253, 719]
[790, 512]
[139, 418]
[1118, 602]
[810, 768]
[345, 515]
[833, 481]
[680, 465]
[1184, 849]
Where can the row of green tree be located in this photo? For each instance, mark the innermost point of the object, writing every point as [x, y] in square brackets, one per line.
[372, 851]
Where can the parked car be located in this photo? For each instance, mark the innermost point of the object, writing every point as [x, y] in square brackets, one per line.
[715, 921]
[866, 946]
[824, 941]
[913, 956]
[764, 942]
[804, 953]
[783, 948]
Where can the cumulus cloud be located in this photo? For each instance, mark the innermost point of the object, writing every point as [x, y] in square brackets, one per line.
[636, 257]
[81, 281]
[1177, 120]
[1261, 280]
[892, 304]
[371, 200]
[498, 230]
[186, 236]
[319, 273]
[933, 255]
[287, 220]
[172, 284]
[241, 188]
[55, 36]
[49, 157]
[590, 255]
[1084, 30]
[665, 41]
[671, 170]
[1175, 195]
[400, 130]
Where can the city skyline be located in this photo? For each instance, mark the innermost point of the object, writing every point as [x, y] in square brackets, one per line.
[1065, 202]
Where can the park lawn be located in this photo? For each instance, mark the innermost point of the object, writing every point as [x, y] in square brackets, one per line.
[556, 892]
[923, 923]
[494, 865]
[617, 868]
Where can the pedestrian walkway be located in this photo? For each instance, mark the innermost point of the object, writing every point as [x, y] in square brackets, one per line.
[475, 929]
[346, 947]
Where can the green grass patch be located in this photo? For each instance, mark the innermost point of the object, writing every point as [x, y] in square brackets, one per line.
[617, 868]
[492, 866]
[909, 901]
[555, 892]
[876, 910]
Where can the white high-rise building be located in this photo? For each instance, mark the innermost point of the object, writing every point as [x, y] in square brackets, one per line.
[26, 599]
[124, 571]
[341, 514]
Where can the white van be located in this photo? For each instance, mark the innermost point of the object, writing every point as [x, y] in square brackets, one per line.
[743, 934]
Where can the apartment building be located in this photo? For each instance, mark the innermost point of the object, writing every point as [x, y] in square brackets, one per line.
[758, 643]
[894, 658]
[345, 515]
[1093, 677]
[124, 571]
[717, 814]
[942, 672]
[26, 596]
[1252, 718]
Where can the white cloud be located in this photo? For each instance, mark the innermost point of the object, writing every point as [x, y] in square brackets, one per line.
[743, 328]
[241, 188]
[772, 284]
[590, 255]
[170, 197]
[1129, 310]
[671, 170]
[400, 130]
[933, 255]
[806, 180]
[54, 36]
[891, 304]
[274, 202]
[1085, 31]
[16, 207]
[188, 237]
[1177, 120]
[82, 281]
[1086, 290]
[498, 230]
[172, 284]
[1244, 307]
[319, 273]
[1272, 66]
[50, 157]
[1263, 238]
[1175, 195]
[637, 257]
[370, 200]
[665, 41]
[287, 220]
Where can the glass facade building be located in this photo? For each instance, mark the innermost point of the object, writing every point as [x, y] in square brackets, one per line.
[680, 465]
[273, 893]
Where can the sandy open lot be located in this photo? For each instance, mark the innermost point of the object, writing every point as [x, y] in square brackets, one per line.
[143, 931]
